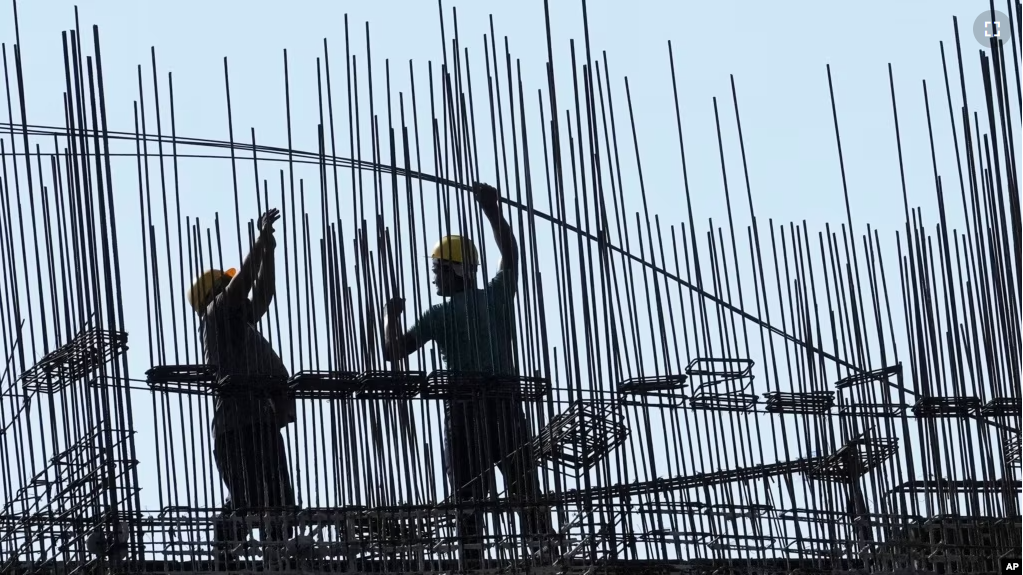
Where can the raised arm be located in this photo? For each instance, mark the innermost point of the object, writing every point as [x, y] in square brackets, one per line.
[264, 287]
[489, 201]
[241, 284]
[398, 345]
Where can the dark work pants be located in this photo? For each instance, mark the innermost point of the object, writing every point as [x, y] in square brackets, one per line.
[482, 434]
[253, 463]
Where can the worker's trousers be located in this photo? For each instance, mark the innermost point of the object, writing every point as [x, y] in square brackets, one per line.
[480, 436]
[253, 463]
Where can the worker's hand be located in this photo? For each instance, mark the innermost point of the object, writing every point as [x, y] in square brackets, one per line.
[485, 194]
[395, 307]
[267, 220]
[266, 227]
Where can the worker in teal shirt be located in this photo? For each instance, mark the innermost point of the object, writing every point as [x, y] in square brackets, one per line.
[474, 332]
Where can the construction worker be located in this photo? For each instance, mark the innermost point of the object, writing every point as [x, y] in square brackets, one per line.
[474, 332]
[248, 446]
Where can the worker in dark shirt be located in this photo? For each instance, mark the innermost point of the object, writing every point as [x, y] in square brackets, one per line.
[249, 411]
[474, 333]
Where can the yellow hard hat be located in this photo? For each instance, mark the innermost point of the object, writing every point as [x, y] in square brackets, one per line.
[457, 250]
[200, 290]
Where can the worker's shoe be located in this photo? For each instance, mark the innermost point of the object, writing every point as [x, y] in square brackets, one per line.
[472, 560]
[545, 549]
[300, 547]
[228, 533]
[275, 558]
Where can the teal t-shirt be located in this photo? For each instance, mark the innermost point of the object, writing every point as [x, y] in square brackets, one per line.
[474, 330]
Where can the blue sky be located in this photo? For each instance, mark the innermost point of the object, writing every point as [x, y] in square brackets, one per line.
[777, 54]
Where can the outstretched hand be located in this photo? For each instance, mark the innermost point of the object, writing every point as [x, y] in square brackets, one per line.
[266, 224]
[485, 194]
[267, 220]
[395, 307]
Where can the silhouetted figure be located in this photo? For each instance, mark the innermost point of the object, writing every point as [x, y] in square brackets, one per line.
[474, 332]
[248, 445]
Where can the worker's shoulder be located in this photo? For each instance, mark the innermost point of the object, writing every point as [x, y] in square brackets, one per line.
[504, 284]
[438, 309]
[506, 276]
[223, 308]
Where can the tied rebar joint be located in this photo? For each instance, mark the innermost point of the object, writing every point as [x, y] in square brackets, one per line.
[374, 385]
[324, 385]
[882, 375]
[946, 406]
[854, 460]
[799, 403]
[722, 384]
[664, 386]
[198, 379]
[1013, 450]
[581, 436]
[74, 360]
[461, 385]
[1003, 407]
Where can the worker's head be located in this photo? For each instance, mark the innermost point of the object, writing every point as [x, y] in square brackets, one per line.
[207, 287]
[455, 261]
